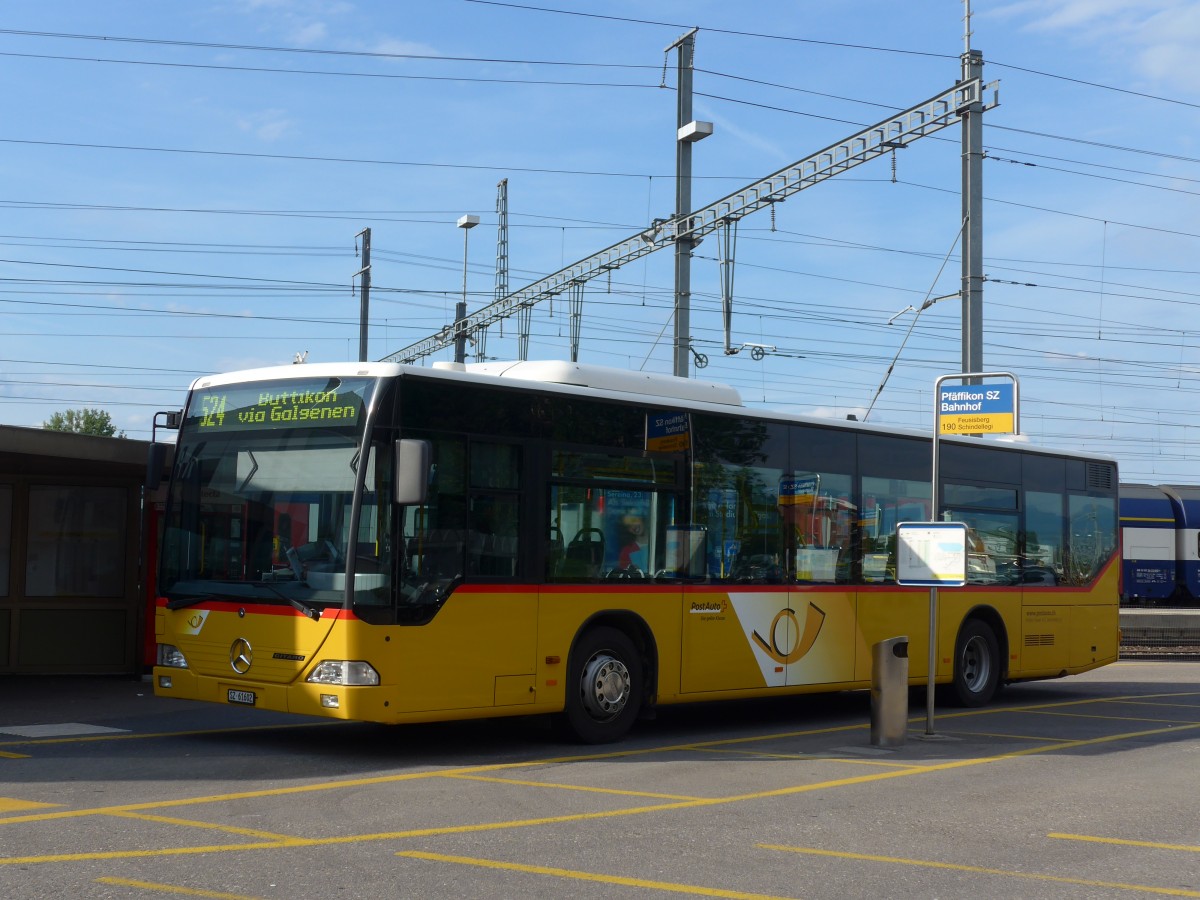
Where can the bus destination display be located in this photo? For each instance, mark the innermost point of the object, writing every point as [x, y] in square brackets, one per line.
[337, 404]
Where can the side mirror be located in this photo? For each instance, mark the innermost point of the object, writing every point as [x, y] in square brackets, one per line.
[154, 465]
[412, 471]
[157, 457]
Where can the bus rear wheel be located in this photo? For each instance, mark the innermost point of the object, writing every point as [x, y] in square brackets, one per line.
[976, 664]
[604, 687]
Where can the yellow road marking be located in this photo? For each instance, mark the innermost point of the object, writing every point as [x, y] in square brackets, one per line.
[172, 889]
[1155, 845]
[818, 757]
[8, 805]
[1129, 698]
[590, 876]
[983, 870]
[94, 738]
[944, 715]
[1068, 715]
[255, 795]
[335, 722]
[412, 776]
[146, 854]
[1061, 704]
[192, 823]
[525, 823]
[573, 787]
[475, 770]
[1013, 737]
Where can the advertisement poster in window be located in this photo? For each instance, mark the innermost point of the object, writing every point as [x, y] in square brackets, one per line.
[627, 538]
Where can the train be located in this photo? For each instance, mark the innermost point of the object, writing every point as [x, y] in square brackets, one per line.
[1160, 544]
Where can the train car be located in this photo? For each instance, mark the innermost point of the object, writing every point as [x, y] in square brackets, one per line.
[1185, 501]
[1148, 527]
[1160, 539]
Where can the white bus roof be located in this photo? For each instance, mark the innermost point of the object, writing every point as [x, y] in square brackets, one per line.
[612, 382]
[604, 378]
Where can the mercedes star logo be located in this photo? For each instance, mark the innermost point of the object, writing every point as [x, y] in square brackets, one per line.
[241, 655]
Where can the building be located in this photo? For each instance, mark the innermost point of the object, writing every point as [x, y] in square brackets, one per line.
[74, 586]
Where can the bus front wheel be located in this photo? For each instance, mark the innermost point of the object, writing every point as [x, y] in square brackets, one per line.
[604, 687]
[976, 664]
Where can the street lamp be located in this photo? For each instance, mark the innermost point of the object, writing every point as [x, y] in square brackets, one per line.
[466, 223]
[924, 306]
[916, 315]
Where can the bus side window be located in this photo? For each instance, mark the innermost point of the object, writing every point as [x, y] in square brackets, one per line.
[888, 502]
[584, 555]
[819, 516]
[1091, 536]
[739, 508]
[494, 509]
[436, 531]
[554, 551]
[494, 525]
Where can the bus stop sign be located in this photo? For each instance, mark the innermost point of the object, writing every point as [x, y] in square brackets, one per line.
[976, 409]
[932, 554]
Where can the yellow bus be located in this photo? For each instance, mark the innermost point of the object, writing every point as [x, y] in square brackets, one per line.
[395, 544]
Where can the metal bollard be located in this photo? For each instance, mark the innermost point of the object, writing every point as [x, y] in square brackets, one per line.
[889, 692]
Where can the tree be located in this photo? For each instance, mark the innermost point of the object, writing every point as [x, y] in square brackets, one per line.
[84, 421]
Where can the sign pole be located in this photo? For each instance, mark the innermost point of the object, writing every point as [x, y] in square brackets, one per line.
[974, 409]
[929, 687]
[931, 554]
[931, 677]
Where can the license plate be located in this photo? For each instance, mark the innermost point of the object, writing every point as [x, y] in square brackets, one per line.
[246, 697]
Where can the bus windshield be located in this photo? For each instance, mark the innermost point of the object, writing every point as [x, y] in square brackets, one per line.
[260, 505]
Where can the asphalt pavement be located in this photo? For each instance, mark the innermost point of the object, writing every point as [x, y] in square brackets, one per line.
[1080, 787]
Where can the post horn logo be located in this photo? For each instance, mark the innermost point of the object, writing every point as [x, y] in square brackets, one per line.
[241, 656]
[803, 639]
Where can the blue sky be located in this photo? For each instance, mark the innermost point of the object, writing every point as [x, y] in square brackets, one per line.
[183, 183]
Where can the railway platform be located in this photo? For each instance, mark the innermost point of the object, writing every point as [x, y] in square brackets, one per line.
[1160, 632]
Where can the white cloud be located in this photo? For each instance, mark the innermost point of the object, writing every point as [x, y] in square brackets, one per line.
[1056, 15]
[304, 35]
[1156, 37]
[299, 23]
[400, 47]
[725, 126]
[268, 126]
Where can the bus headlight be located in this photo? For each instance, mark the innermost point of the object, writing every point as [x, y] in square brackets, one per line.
[343, 671]
[172, 656]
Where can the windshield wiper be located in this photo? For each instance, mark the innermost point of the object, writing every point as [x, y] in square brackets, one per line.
[313, 612]
[183, 602]
[310, 610]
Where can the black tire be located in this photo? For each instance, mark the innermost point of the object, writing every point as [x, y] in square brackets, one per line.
[604, 687]
[977, 664]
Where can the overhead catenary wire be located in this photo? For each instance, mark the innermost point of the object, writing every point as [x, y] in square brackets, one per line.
[779, 304]
[916, 311]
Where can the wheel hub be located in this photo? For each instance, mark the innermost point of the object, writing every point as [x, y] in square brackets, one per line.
[605, 686]
[976, 664]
